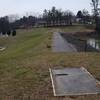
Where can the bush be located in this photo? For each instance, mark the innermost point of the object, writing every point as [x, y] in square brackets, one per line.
[48, 46]
[3, 33]
[14, 33]
[9, 32]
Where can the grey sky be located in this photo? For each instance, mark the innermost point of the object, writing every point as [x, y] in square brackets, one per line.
[8, 7]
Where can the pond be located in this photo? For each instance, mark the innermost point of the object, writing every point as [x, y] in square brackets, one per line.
[88, 45]
[94, 43]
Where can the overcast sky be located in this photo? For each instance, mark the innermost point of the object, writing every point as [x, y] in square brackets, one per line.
[8, 7]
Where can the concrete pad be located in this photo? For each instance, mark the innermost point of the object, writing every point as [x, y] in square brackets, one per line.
[73, 81]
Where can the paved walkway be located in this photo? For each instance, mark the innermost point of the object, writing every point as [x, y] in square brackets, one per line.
[59, 44]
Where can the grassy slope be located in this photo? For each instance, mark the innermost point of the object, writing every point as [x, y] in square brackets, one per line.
[24, 65]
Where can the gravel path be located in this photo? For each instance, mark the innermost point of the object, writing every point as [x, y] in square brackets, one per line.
[59, 44]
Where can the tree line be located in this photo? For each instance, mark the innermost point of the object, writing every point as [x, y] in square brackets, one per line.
[6, 27]
[52, 17]
[55, 17]
[84, 17]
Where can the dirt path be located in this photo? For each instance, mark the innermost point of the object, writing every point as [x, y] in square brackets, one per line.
[59, 44]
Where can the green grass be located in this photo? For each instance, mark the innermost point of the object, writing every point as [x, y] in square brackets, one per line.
[24, 65]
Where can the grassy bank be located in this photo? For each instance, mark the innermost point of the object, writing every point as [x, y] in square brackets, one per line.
[25, 63]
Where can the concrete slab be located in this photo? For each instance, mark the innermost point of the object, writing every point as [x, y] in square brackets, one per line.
[73, 81]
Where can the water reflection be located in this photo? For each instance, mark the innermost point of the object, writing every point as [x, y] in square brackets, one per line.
[94, 43]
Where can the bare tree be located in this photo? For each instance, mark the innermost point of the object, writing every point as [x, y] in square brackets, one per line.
[13, 17]
[95, 5]
[86, 16]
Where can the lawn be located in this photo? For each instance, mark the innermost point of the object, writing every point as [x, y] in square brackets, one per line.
[25, 63]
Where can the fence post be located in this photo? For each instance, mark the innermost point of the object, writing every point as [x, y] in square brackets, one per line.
[85, 48]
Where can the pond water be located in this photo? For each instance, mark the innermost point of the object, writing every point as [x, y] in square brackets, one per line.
[94, 43]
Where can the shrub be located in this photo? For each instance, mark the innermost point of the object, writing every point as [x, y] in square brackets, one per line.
[14, 33]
